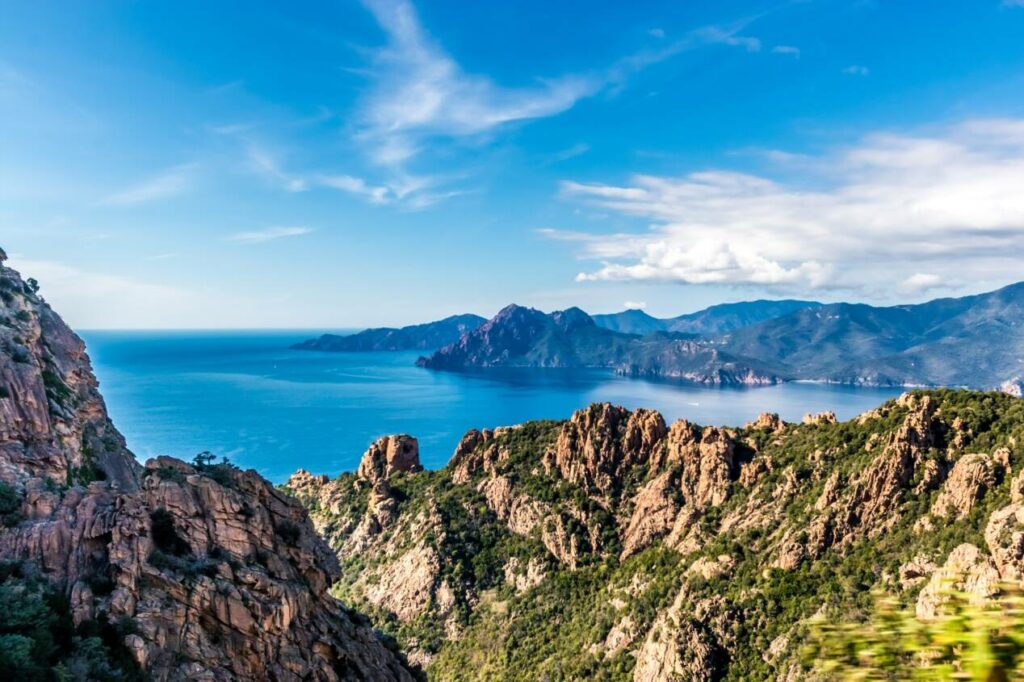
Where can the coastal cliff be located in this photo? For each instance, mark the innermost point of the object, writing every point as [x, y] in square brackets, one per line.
[170, 571]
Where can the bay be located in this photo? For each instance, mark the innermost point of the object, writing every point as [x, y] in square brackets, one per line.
[247, 396]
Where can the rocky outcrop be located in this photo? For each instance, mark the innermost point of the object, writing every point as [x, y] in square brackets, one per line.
[389, 455]
[873, 505]
[767, 421]
[221, 576]
[819, 419]
[969, 479]
[655, 509]
[967, 570]
[524, 575]
[1004, 536]
[708, 460]
[603, 440]
[676, 648]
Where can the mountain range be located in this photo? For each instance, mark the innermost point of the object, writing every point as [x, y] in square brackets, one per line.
[974, 341]
[717, 319]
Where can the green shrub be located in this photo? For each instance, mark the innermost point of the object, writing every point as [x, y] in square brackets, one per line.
[288, 531]
[10, 505]
[39, 641]
[165, 535]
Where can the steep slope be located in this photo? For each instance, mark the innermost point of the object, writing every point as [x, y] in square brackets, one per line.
[170, 571]
[726, 317]
[428, 336]
[613, 546]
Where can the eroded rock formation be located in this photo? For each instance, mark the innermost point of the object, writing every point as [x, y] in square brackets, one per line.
[220, 575]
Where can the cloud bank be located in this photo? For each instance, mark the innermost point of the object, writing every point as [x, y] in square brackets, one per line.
[907, 213]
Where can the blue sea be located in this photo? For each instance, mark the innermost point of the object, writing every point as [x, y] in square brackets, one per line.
[247, 396]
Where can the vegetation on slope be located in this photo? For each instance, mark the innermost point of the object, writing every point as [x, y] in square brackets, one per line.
[812, 520]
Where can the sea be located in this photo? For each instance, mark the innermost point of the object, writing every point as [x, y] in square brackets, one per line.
[247, 396]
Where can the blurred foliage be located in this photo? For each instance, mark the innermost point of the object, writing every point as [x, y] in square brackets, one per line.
[982, 641]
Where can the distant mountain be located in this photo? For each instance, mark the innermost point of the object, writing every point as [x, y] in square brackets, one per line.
[718, 319]
[429, 336]
[525, 337]
[630, 322]
[974, 341]
[726, 317]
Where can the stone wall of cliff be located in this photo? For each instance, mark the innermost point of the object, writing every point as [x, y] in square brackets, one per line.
[210, 572]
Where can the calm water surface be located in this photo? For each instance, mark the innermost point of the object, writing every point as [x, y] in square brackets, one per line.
[245, 395]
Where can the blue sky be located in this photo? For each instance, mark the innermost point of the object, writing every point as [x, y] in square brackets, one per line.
[196, 164]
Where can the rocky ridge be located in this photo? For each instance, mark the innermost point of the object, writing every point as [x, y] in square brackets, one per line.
[678, 551]
[208, 572]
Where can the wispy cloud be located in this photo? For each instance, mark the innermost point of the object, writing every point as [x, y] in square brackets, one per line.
[357, 186]
[269, 234]
[856, 70]
[578, 149]
[421, 91]
[168, 183]
[899, 212]
[790, 50]
[420, 96]
[264, 163]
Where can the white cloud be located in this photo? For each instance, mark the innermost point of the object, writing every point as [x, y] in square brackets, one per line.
[269, 234]
[634, 305]
[787, 50]
[660, 32]
[921, 282]
[856, 70]
[891, 205]
[169, 183]
[420, 90]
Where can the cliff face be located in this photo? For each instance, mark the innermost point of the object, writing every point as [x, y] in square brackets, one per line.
[615, 546]
[209, 572]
